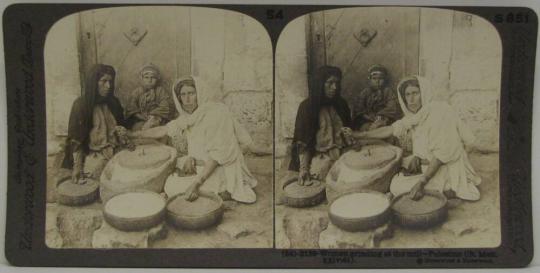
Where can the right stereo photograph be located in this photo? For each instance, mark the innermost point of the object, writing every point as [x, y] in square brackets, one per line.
[387, 130]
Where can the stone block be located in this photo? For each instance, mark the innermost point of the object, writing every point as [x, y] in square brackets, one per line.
[485, 162]
[53, 239]
[334, 237]
[110, 237]
[253, 109]
[480, 112]
[461, 227]
[76, 226]
[282, 241]
[261, 165]
[303, 227]
[241, 228]
[248, 54]
[286, 111]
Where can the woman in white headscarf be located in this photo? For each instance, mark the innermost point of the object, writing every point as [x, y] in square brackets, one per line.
[439, 160]
[214, 139]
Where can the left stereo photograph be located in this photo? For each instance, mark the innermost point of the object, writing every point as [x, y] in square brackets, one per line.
[159, 129]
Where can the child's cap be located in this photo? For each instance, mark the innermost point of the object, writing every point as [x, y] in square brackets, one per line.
[150, 68]
[377, 68]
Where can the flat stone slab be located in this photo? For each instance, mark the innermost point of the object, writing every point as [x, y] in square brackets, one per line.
[53, 239]
[237, 229]
[282, 241]
[110, 237]
[461, 227]
[485, 162]
[303, 227]
[333, 237]
[76, 226]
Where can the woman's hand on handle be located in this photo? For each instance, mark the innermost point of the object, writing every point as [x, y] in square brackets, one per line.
[417, 192]
[304, 178]
[189, 166]
[78, 163]
[192, 193]
[76, 174]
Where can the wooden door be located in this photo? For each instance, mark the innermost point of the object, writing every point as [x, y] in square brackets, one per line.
[129, 37]
[335, 37]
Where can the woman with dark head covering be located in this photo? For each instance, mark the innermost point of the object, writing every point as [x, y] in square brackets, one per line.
[317, 141]
[95, 122]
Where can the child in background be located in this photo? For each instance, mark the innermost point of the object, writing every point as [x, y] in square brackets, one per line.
[150, 103]
[377, 104]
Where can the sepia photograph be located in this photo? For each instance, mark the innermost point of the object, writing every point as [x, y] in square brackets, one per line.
[159, 129]
[387, 130]
[177, 135]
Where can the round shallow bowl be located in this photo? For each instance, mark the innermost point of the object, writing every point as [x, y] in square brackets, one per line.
[71, 194]
[369, 157]
[426, 212]
[299, 196]
[360, 211]
[203, 212]
[133, 211]
[175, 184]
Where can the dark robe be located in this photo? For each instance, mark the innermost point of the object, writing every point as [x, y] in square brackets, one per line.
[80, 118]
[307, 118]
[305, 129]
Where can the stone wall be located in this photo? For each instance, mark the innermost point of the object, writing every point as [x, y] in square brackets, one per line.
[459, 52]
[233, 54]
[62, 80]
[229, 51]
[291, 80]
[462, 55]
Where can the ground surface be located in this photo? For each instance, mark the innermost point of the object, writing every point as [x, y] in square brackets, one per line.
[243, 226]
[469, 224]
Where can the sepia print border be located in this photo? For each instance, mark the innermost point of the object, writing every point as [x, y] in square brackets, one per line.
[25, 29]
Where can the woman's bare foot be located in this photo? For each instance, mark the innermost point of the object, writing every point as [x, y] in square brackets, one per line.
[225, 196]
